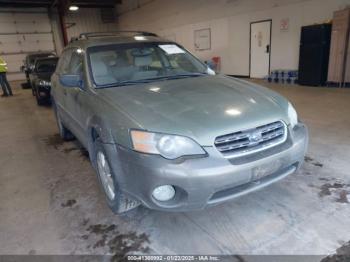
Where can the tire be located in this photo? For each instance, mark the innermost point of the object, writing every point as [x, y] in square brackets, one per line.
[29, 83]
[39, 100]
[119, 203]
[65, 134]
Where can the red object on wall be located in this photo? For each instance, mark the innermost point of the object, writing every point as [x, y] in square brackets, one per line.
[217, 62]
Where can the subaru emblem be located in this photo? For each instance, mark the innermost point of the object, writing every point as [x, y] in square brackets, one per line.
[255, 137]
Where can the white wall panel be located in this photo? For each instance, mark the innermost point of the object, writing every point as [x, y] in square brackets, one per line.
[35, 26]
[14, 61]
[229, 21]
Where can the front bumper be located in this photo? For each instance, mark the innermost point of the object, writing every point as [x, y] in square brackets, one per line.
[44, 91]
[210, 180]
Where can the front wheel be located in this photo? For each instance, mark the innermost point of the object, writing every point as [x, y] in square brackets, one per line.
[116, 200]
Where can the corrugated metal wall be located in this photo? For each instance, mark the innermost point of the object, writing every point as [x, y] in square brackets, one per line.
[131, 5]
[86, 20]
[23, 31]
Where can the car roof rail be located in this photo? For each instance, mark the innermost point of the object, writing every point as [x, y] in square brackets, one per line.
[114, 33]
[73, 39]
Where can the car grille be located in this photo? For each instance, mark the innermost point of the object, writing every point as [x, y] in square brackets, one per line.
[253, 140]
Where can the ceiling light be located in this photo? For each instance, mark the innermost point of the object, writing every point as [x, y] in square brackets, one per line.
[139, 38]
[73, 8]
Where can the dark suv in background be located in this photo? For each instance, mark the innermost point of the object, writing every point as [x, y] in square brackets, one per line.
[41, 78]
[28, 64]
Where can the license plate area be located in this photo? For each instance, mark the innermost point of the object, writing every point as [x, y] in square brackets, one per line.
[266, 169]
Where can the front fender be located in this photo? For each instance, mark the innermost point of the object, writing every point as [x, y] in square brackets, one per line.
[98, 125]
[112, 129]
[110, 123]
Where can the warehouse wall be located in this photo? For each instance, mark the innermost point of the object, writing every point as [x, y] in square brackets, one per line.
[229, 21]
[23, 31]
[84, 20]
[87, 20]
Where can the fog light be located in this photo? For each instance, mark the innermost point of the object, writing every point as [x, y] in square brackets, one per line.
[164, 193]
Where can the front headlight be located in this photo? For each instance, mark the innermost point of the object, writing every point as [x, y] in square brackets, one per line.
[168, 146]
[292, 115]
[44, 83]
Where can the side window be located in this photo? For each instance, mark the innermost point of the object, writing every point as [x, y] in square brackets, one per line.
[63, 63]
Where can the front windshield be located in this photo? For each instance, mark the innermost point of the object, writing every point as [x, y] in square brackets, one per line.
[32, 58]
[114, 65]
[46, 66]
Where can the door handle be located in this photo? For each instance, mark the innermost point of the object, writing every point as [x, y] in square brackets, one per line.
[267, 49]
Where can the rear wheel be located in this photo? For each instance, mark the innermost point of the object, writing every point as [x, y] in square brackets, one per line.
[116, 200]
[64, 132]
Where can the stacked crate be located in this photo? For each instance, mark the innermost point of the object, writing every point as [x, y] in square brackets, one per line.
[283, 76]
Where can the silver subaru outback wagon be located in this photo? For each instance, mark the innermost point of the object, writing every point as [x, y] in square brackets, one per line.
[164, 131]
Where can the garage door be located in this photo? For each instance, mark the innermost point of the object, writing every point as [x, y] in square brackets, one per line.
[23, 32]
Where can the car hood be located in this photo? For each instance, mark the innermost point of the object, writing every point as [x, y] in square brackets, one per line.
[201, 108]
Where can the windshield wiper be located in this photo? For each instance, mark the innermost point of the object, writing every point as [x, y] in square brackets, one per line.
[169, 77]
[185, 75]
[148, 80]
[124, 83]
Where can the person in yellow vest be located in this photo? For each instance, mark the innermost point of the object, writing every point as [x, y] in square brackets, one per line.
[3, 80]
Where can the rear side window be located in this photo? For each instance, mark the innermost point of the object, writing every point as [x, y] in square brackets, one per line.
[70, 63]
[63, 63]
[76, 64]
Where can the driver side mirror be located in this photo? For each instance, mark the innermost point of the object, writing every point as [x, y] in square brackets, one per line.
[210, 71]
[71, 80]
[31, 68]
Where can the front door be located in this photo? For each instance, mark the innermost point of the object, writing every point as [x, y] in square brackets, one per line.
[74, 97]
[260, 47]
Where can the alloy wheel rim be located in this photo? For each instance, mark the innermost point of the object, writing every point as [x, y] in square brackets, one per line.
[105, 175]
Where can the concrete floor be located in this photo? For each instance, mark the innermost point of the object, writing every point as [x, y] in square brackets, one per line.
[51, 203]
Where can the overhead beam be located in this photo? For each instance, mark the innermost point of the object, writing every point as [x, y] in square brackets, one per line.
[24, 3]
[54, 3]
[94, 3]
